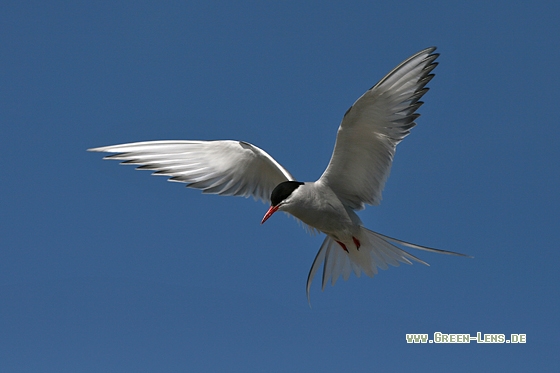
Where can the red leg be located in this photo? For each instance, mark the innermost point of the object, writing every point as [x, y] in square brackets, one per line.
[356, 242]
[342, 245]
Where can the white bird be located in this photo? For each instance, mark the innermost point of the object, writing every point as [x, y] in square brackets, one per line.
[360, 164]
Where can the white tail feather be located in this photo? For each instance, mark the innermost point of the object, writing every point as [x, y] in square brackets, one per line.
[376, 250]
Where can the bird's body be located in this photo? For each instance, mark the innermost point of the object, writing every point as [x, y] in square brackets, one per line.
[315, 204]
[360, 164]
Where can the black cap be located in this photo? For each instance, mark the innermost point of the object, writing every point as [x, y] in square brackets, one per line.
[283, 191]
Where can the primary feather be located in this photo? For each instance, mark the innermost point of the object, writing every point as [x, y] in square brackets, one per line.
[372, 128]
[227, 167]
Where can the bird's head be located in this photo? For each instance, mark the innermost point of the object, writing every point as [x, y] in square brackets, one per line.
[280, 197]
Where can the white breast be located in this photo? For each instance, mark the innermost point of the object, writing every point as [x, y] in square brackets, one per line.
[317, 205]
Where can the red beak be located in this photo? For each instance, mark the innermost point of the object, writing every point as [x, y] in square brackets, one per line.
[269, 213]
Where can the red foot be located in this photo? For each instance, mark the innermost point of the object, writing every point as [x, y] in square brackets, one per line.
[342, 245]
[356, 242]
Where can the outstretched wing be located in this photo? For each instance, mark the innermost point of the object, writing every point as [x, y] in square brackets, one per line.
[232, 168]
[372, 128]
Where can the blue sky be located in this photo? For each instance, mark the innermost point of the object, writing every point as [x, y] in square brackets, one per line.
[104, 268]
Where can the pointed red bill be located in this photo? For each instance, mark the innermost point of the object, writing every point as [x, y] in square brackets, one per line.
[269, 213]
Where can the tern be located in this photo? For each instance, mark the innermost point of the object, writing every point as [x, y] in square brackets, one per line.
[355, 176]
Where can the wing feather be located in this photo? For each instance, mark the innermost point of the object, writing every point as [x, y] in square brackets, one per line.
[371, 129]
[225, 167]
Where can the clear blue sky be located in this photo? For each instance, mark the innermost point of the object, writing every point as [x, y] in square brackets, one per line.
[108, 269]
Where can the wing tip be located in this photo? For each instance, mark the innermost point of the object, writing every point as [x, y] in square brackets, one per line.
[98, 149]
[430, 50]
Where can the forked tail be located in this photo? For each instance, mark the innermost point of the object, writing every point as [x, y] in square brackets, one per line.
[376, 251]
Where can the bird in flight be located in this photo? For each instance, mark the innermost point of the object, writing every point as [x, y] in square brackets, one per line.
[355, 176]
